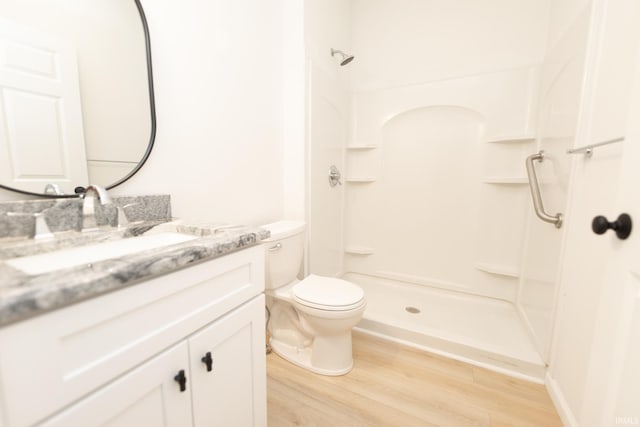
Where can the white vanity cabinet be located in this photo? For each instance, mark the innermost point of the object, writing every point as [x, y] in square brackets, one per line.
[146, 396]
[115, 360]
[152, 396]
[233, 392]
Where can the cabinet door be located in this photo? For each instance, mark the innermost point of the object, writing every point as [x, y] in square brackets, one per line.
[233, 392]
[147, 396]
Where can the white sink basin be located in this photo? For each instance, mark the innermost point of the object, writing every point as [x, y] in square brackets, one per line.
[51, 261]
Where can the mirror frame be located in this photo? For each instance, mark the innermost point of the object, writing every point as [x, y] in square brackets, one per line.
[152, 111]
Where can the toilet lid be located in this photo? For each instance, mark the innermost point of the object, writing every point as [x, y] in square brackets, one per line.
[328, 293]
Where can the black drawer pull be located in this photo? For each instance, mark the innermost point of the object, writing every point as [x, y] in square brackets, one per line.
[208, 360]
[181, 379]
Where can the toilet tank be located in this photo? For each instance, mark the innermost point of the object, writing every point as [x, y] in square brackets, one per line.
[284, 251]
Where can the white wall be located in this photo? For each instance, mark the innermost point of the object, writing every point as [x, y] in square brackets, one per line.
[563, 14]
[217, 73]
[218, 84]
[294, 105]
[419, 67]
[434, 186]
[404, 42]
[573, 328]
[558, 107]
[326, 27]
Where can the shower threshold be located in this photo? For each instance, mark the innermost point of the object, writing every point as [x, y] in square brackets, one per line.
[482, 331]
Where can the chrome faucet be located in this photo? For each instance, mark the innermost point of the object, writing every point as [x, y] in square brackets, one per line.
[88, 207]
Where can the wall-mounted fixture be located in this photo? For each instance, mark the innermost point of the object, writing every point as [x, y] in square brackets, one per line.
[587, 150]
[535, 192]
[345, 57]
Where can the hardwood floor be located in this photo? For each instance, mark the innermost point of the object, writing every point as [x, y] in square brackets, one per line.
[395, 385]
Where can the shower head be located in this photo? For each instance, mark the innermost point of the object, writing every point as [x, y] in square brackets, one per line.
[345, 58]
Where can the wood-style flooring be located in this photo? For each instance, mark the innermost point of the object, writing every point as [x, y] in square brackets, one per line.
[396, 385]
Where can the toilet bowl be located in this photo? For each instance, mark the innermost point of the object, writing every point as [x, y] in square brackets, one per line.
[311, 319]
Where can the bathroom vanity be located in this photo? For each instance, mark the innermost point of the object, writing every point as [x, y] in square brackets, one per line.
[171, 336]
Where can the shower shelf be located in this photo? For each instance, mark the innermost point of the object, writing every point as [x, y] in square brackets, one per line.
[502, 270]
[514, 139]
[361, 147]
[358, 250]
[360, 179]
[506, 180]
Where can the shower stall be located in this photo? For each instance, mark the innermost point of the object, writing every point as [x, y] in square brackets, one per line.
[430, 126]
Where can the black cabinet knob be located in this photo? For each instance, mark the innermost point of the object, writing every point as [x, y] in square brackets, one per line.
[208, 360]
[181, 379]
[622, 226]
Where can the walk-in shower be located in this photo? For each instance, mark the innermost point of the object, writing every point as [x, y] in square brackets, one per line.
[431, 132]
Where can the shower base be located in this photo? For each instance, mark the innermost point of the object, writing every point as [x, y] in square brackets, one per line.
[474, 329]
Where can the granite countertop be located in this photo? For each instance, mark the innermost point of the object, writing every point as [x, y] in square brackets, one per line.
[23, 296]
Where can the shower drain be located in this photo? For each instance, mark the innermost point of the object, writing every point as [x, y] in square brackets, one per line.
[412, 310]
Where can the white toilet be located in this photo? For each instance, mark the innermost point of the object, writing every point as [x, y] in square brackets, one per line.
[311, 320]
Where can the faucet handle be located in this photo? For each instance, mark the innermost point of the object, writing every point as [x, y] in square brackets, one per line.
[41, 229]
[123, 220]
[53, 188]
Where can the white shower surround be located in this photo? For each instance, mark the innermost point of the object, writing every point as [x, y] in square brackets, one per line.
[477, 82]
[437, 170]
[446, 197]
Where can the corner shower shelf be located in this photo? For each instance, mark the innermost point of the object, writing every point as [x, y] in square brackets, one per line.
[510, 180]
[361, 147]
[358, 250]
[502, 270]
[360, 179]
[513, 139]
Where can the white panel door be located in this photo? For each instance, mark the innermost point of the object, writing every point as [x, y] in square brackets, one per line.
[228, 366]
[612, 395]
[41, 130]
[147, 396]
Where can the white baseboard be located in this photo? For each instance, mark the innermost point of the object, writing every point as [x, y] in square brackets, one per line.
[562, 406]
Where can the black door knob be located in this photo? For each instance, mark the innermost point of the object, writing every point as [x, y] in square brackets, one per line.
[622, 226]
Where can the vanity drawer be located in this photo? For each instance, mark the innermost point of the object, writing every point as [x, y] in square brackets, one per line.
[54, 359]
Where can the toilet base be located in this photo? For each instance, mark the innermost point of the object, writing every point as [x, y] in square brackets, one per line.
[302, 358]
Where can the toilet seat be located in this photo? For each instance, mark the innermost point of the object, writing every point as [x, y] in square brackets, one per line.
[327, 293]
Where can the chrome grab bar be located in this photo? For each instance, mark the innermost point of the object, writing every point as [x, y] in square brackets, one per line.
[535, 192]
